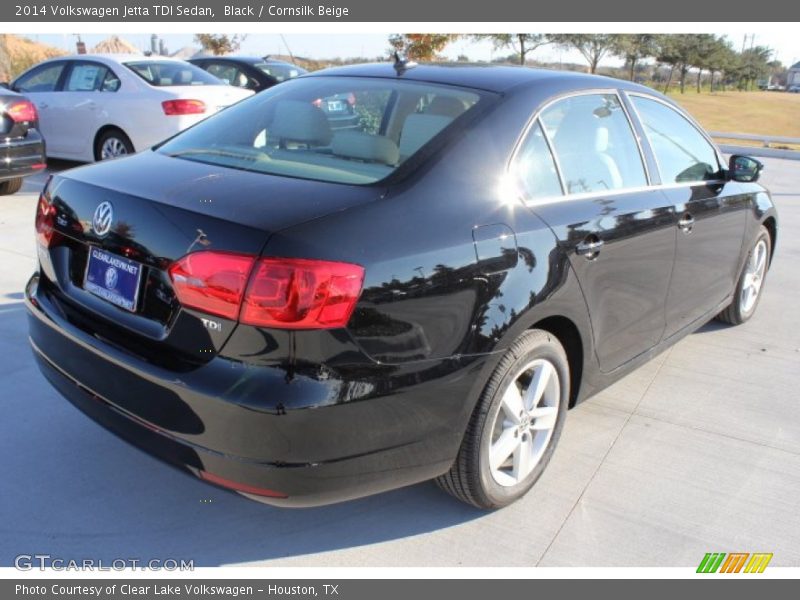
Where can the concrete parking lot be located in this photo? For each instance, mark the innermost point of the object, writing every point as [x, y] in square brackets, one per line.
[697, 451]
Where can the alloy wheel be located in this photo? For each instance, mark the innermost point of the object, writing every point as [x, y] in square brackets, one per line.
[754, 276]
[524, 423]
[112, 148]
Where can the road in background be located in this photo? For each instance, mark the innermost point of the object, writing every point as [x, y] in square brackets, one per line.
[697, 451]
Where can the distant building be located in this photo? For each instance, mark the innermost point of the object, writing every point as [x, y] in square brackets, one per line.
[793, 76]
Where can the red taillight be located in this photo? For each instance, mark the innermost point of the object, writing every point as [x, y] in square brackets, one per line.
[351, 99]
[183, 107]
[22, 112]
[45, 221]
[301, 294]
[317, 102]
[212, 282]
[282, 293]
[240, 487]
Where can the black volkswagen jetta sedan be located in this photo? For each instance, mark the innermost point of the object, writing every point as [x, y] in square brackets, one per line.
[305, 315]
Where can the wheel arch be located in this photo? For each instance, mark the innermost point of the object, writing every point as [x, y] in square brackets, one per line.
[102, 131]
[568, 335]
[772, 228]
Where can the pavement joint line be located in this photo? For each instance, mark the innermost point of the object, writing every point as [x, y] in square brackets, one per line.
[605, 455]
[717, 433]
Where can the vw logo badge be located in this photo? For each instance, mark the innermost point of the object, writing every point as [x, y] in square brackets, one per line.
[103, 215]
[111, 278]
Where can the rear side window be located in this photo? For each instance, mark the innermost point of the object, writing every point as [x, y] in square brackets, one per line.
[682, 152]
[162, 73]
[338, 129]
[41, 79]
[534, 168]
[86, 77]
[594, 144]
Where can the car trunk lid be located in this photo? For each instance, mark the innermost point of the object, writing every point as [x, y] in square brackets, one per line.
[163, 208]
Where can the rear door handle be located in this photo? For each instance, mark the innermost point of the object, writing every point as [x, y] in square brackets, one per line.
[590, 247]
[686, 222]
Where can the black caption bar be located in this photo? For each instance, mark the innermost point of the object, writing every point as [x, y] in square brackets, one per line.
[610, 11]
[371, 589]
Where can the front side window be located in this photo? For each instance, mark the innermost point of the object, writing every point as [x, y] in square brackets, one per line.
[534, 168]
[682, 152]
[163, 73]
[42, 79]
[594, 144]
[86, 77]
[338, 129]
[228, 73]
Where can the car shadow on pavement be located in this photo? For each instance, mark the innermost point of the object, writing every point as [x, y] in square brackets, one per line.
[75, 491]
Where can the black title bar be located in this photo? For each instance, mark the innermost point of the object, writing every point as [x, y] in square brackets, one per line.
[250, 11]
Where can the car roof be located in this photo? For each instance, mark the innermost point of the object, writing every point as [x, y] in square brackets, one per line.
[116, 58]
[245, 59]
[485, 76]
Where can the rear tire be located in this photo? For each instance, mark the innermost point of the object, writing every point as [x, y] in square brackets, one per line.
[524, 425]
[10, 186]
[112, 144]
[751, 282]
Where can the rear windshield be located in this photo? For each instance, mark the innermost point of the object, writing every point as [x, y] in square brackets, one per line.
[338, 129]
[162, 73]
[279, 71]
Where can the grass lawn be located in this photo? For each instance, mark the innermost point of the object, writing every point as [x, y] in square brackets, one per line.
[770, 113]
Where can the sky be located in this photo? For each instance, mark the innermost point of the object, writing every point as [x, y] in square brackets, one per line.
[320, 46]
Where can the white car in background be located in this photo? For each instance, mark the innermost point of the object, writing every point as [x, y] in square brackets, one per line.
[96, 106]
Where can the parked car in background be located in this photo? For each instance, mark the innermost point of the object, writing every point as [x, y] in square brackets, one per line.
[794, 89]
[94, 107]
[252, 73]
[21, 144]
[306, 315]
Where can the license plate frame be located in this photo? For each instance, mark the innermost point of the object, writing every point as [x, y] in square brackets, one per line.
[113, 278]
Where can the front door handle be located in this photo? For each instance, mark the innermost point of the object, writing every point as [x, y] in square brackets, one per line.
[42, 105]
[686, 222]
[589, 247]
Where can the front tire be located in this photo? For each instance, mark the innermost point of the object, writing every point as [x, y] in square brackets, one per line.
[112, 144]
[751, 282]
[10, 186]
[516, 425]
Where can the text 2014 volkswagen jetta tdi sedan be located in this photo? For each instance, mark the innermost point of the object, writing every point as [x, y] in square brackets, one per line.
[305, 315]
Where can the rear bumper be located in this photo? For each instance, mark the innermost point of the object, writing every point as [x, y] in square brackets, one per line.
[199, 422]
[21, 157]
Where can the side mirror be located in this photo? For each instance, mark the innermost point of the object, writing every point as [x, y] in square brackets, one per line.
[744, 169]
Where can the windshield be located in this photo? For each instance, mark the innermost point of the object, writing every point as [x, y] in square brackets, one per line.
[338, 129]
[281, 72]
[171, 73]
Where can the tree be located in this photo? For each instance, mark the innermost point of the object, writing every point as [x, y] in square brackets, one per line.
[720, 59]
[677, 51]
[633, 48]
[593, 47]
[219, 44]
[700, 49]
[421, 46]
[753, 64]
[522, 43]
